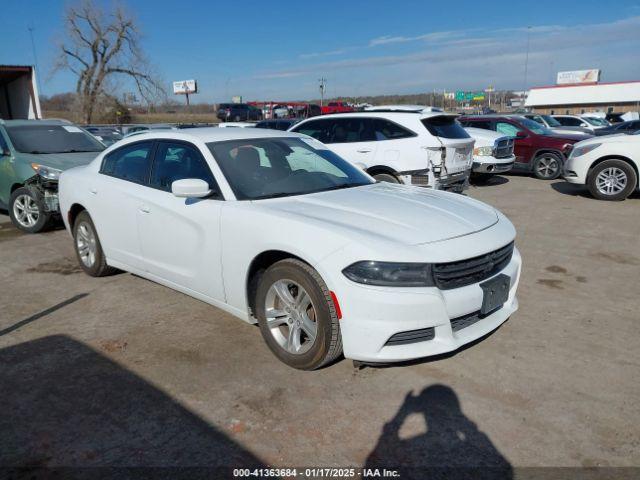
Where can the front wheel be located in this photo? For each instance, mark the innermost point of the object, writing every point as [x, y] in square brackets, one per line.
[297, 316]
[547, 166]
[612, 180]
[27, 212]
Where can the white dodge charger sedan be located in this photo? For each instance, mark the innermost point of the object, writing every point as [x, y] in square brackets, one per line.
[274, 228]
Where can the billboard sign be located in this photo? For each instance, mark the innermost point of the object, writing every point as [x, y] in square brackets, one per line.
[185, 87]
[578, 76]
[469, 96]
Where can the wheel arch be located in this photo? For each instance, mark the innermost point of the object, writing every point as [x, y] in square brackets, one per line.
[615, 157]
[73, 213]
[257, 267]
[376, 169]
[548, 150]
[15, 186]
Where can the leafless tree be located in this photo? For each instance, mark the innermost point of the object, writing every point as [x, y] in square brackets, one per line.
[101, 48]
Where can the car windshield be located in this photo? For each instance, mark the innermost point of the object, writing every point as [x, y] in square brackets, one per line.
[552, 122]
[279, 167]
[598, 122]
[535, 127]
[52, 139]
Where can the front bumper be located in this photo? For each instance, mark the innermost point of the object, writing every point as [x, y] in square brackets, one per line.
[576, 170]
[373, 315]
[48, 191]
[492, 164]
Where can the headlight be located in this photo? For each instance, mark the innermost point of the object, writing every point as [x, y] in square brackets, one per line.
[390, 274]
[582, 150]
[483, 151]
[46, 172]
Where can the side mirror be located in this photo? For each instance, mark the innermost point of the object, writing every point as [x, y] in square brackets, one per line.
[521, 134]
[190, 188]
[584, 125]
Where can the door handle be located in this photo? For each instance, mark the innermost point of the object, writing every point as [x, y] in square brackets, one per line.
[364, 150]
[93, 191]
[144, 209]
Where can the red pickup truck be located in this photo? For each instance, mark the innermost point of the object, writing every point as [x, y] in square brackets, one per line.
[336, 107]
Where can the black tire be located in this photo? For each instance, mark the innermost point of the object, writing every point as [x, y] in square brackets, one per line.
[547, 166]
[17, 199]
[624, 170]
[99, 267]
[386, 177]
[328, 342]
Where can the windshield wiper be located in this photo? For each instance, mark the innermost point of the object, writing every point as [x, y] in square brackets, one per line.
[276, 195]
[344, 185]
[78, 151]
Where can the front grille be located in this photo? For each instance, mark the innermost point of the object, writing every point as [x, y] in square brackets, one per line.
[473, 270]
[504, 148]
[412, 336]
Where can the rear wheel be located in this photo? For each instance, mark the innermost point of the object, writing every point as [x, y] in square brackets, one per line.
[547, 166]
[27, 212]
[297, 317]
[612, 180]
[88, 247]
[386, 177]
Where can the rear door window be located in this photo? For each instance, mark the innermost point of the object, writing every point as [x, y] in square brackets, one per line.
[386, 130]
[131, 162]
[351, 130]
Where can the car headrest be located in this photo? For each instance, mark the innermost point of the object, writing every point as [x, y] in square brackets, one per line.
[248, 158]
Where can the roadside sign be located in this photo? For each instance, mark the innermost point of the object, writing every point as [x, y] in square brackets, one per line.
[185, 87]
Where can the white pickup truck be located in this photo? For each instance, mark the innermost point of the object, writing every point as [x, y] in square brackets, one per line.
[492, 153]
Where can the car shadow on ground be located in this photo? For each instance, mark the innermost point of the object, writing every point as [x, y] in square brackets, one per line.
[69, 411]
[574, 190]
[452, 447]
[487, 180]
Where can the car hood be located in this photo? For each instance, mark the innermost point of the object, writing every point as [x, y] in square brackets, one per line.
[61, 161]
[399, 213]
[575, 137]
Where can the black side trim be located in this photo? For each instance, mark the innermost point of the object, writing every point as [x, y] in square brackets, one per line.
[412, 336]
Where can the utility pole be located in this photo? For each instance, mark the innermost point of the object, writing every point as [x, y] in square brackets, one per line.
[323, 87]
[526, 67]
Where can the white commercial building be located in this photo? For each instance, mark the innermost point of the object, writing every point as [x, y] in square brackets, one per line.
[576, 99]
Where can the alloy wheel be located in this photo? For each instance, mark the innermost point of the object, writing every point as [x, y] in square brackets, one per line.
[291, 316]
[547, 166]
[26, 211]
[86, 244]
[611, 181]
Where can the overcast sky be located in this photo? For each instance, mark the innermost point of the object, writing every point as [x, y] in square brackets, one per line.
[279, 49]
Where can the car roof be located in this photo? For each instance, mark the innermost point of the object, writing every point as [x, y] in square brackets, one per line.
[50, 121]
[213, 134]
[494, 116]
[411, 115]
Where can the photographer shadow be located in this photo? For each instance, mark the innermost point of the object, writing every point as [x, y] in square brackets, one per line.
[452, 447]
